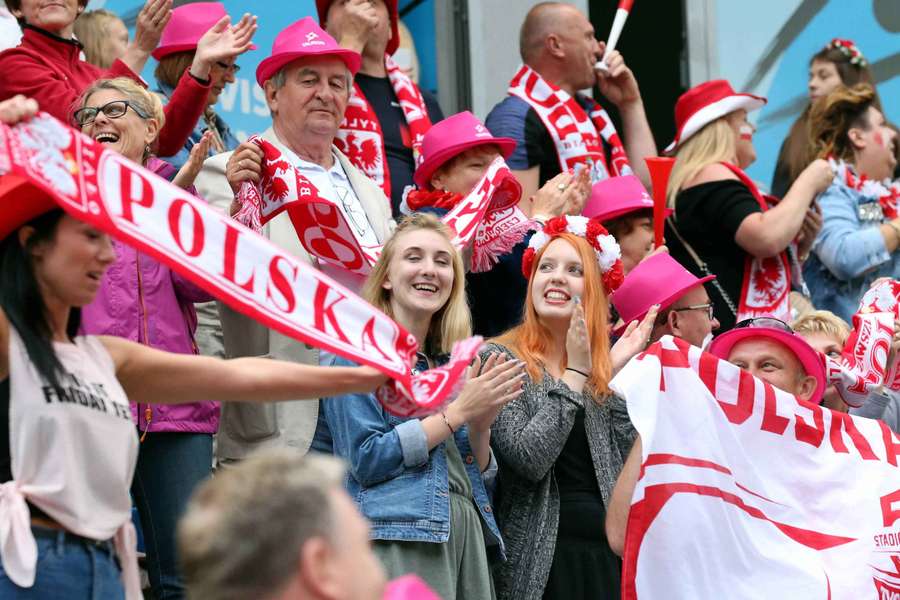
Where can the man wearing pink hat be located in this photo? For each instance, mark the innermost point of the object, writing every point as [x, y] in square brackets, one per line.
[685, 309]
[307, 81]
[769, 350]
[626, 210]
[557, 128]
[388, 113]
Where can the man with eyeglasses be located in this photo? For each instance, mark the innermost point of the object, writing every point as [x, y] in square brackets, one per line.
[685, 310]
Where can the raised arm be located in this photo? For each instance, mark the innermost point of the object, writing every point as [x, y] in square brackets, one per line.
[149, 375]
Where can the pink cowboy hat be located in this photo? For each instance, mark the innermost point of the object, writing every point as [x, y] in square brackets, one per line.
[322, 7]
[659, 279]
[301, 39]
[617, 196]
[810, 359]
[705, 103]
[188, 24]
[452, 136]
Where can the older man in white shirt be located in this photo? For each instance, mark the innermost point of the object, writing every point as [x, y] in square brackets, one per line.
[307, 80]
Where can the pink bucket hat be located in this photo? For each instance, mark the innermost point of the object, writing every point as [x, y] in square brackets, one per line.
[617, 196]
[659, 279]
[301, 39]
[452, 136]
[810, 359]
[188, 24]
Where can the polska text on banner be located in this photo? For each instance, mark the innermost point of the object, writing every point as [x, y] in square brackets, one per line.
[748, 492]
[225, 258]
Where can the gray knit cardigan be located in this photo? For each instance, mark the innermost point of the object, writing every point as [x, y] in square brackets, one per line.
[527, 438]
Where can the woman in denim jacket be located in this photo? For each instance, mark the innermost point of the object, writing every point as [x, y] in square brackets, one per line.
[422, 483]
[861, 233]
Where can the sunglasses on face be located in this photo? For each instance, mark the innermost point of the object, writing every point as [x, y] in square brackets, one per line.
[113, 110]
[708, 307]
[764, 322]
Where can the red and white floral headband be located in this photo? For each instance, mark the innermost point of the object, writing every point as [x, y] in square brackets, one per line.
[609, 255]
[849, 49]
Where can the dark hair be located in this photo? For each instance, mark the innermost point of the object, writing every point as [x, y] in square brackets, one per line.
[795, 153]
[23, 303]
[624, 224]
[831, 119]
[170, 68]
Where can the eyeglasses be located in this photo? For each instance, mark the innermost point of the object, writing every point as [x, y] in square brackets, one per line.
[764, 322]
[226, 67]
[113, 110]
[708, 307]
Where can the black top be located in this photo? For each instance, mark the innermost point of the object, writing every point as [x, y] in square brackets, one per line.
[574, 468]
[708, 216]
[397, 147]
[496, 297]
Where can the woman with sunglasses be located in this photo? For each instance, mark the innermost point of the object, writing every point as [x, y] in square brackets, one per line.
[769, 350]
[47, 63]
[144, 301]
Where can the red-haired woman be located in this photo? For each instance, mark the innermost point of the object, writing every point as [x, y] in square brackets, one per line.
[562, 442]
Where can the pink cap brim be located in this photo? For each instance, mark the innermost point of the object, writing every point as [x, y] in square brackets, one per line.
[810, 359]
[603, 217]
[423, 173]
[664, 304]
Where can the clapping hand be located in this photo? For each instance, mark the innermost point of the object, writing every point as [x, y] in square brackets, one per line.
[633, 340]
[18, 108]
[488, 388]
[222, 42]
[150, 23]
[189, 171]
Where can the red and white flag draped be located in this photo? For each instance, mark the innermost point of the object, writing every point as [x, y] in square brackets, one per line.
[747, 492]
[487, 217]
[226, 259]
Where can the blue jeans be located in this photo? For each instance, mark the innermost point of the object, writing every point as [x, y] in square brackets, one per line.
[170, 465]
[69, 569]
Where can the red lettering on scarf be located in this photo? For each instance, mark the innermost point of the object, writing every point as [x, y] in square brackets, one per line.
[368, 337]
[197, 234]
[740, 411]
[279, 279]
[803, 431]
[228, 271]
[125, 188]
[891, 447]
[323, 311]
[772, 421]
[839, 420]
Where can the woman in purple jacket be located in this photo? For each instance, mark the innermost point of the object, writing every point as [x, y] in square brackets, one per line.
[142, 300]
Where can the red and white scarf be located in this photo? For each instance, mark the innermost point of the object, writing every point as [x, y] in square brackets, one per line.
[487, 217]
[886, 192]
[765, 291]
[220, 255]
[576, 134]
[361, 138]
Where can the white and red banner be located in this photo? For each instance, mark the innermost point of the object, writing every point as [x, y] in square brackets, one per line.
[747, 492]
[487, 217]
[230, 261]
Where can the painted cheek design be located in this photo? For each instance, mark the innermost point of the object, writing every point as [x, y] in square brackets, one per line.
[746, 132]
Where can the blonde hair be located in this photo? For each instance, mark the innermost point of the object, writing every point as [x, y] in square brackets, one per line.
[530, 340]
[147, 102]
[824, 322]
[91, 29]
[453, 322]
[716, 142]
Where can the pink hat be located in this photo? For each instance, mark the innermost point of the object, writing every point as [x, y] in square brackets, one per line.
[616, 196]
[188, 24]
[322, 7]
[451, 137]
[811, 360]
[301, 39]
[705, 103]
[659, 279]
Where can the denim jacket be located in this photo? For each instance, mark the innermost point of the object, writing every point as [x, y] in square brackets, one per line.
[849, 253]
[228, 138]
[401, 487]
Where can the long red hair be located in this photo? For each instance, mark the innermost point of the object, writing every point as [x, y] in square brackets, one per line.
[530, 340]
